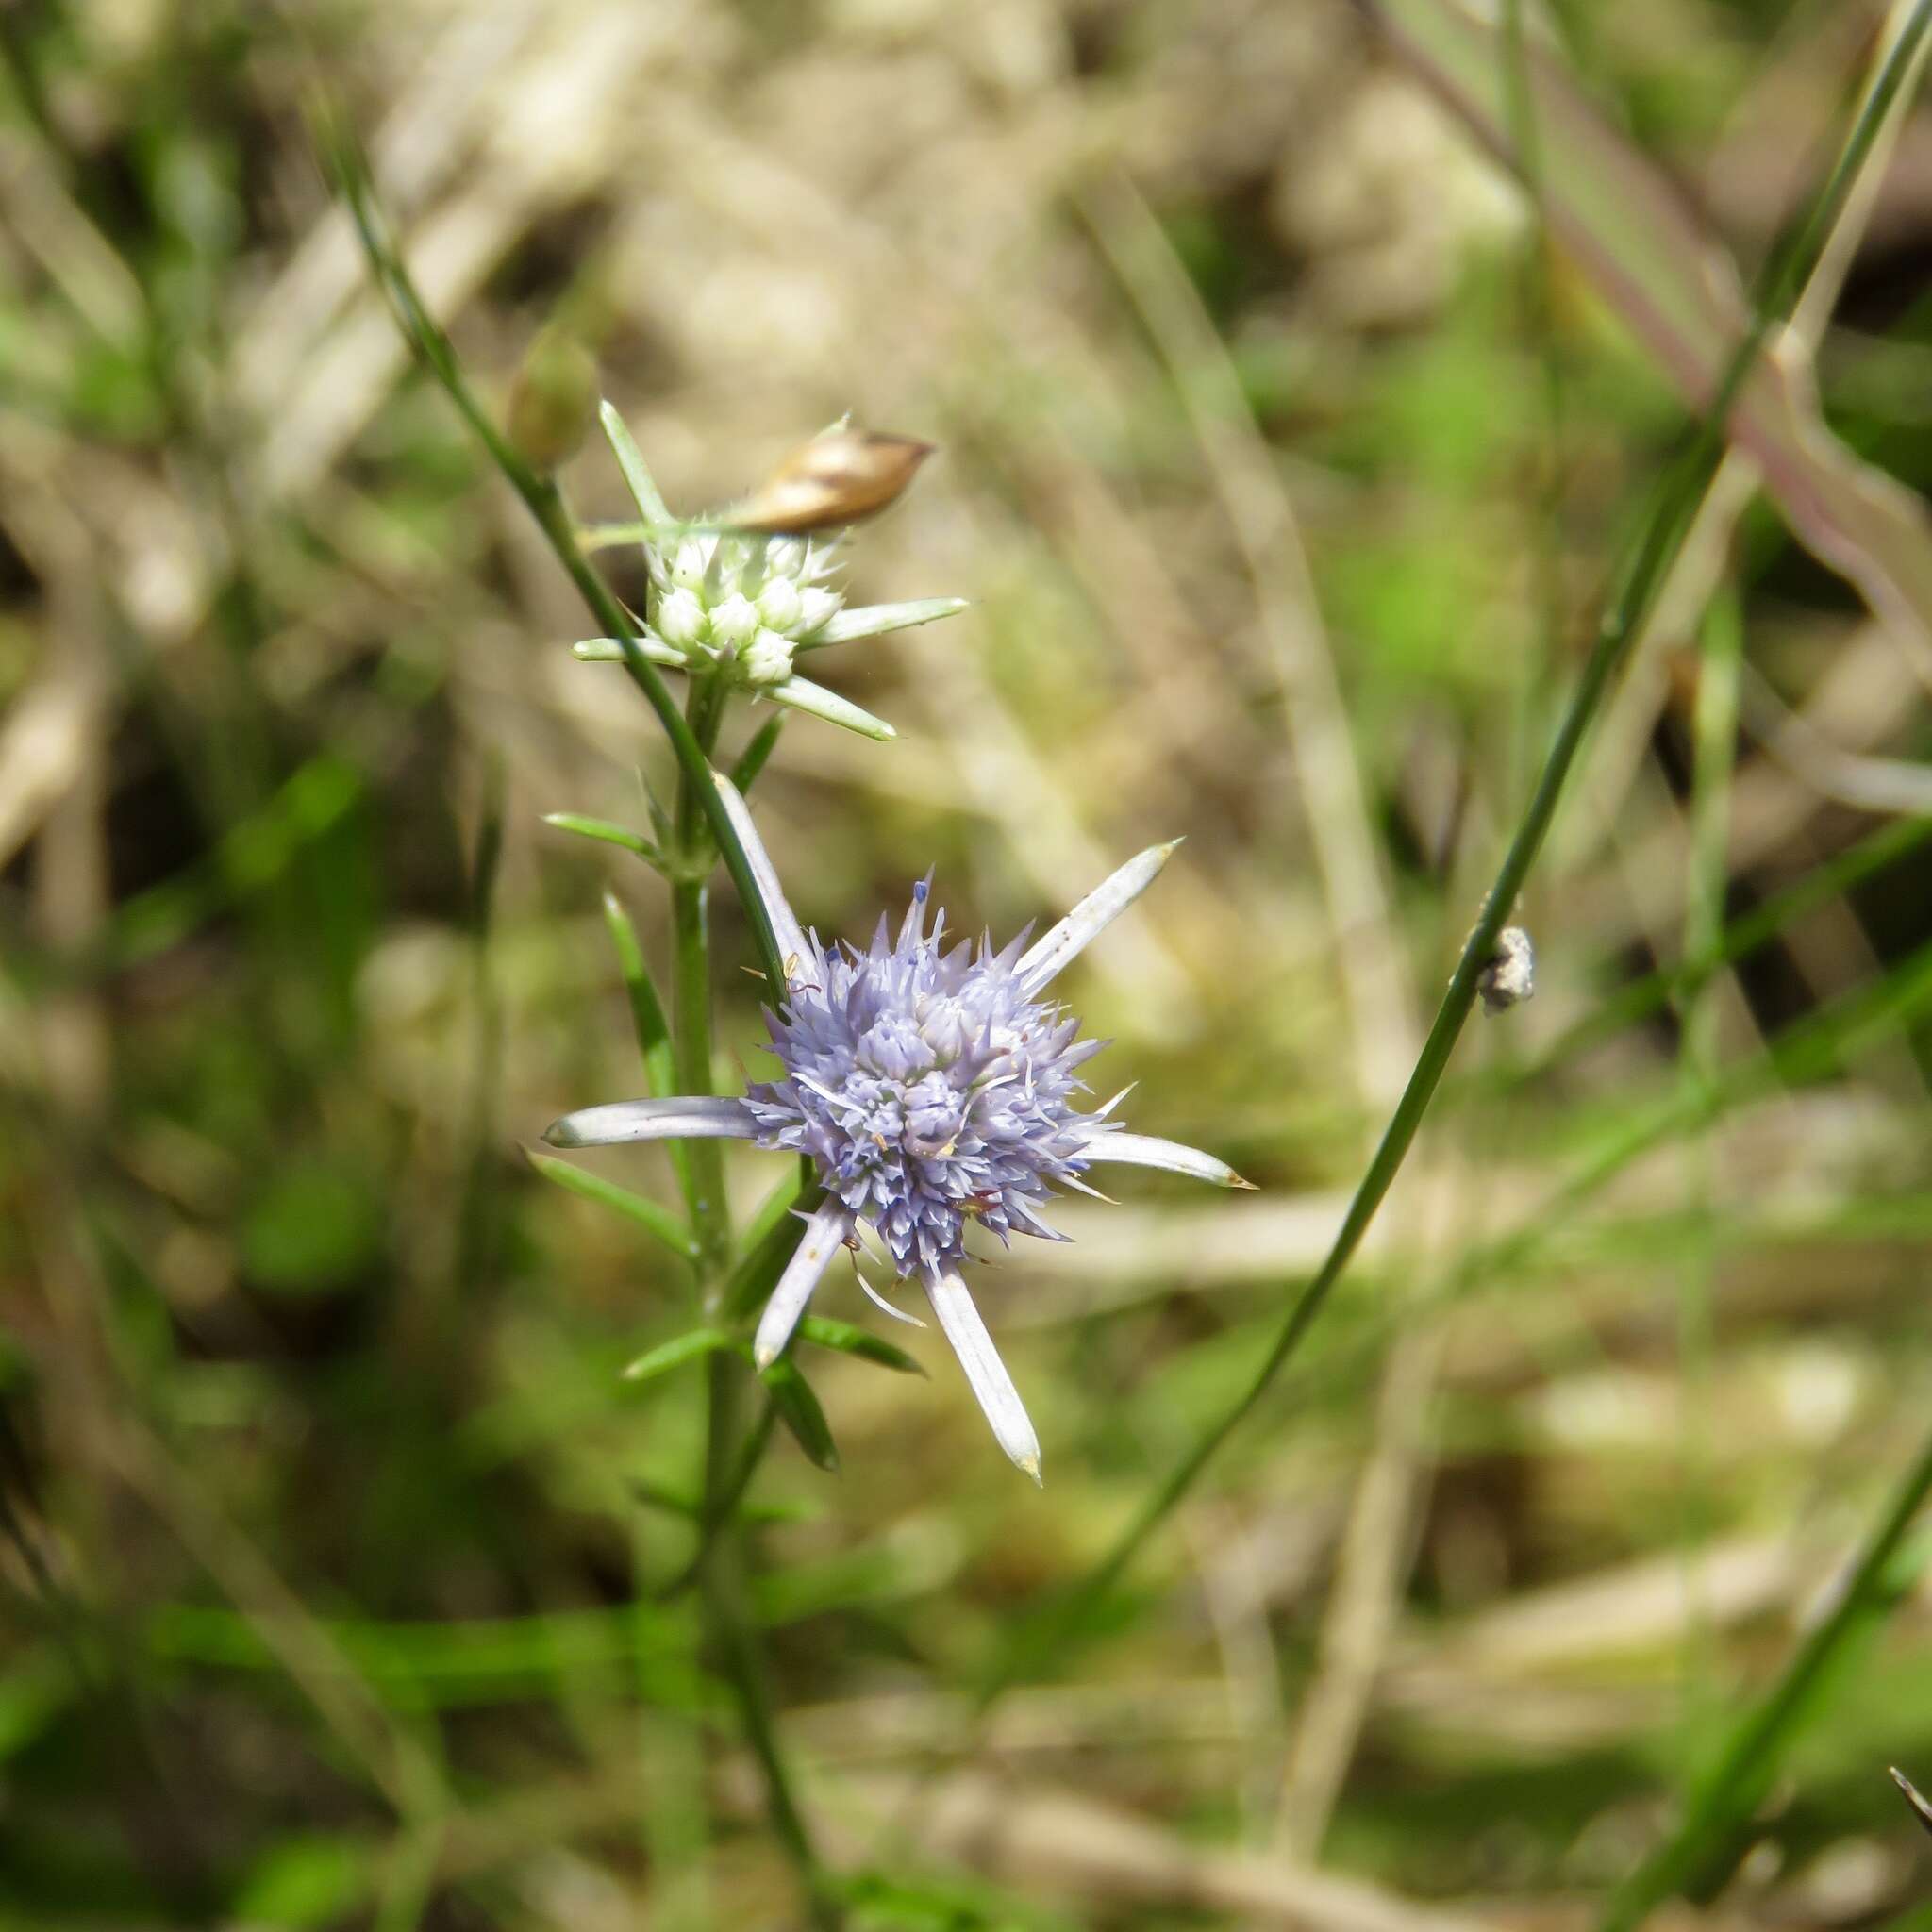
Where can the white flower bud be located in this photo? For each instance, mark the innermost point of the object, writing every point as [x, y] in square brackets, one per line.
[785, 557]
[779, 605]
[767, 659]
[689, 565]
[817, 609]
[680, 619]
[735, 622]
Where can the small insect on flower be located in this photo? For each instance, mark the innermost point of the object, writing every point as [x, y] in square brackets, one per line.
[932, 1088]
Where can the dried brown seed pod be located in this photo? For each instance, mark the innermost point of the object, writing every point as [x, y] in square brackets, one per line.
[840, 478]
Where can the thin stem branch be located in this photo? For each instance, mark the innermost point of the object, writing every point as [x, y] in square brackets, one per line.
[703, 828]
[720, 1577]
[545, 504]
[719, 1560]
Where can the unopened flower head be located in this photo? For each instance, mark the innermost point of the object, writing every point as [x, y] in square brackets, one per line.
[742, 605]
[932, 1088]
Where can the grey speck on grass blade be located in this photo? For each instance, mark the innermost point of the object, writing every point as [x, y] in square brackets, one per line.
[1679, 293]
[1913, 1797]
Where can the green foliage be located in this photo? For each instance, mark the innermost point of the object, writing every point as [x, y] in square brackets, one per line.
[345, 1578]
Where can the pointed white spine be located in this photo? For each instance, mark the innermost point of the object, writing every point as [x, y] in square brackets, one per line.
[785, 926]
[688, 1119]
[1092, 916]
[825, 1233]
[986, 1373]
[1144, 1150]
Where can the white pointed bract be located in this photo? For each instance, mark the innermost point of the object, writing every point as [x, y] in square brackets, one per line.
[1092, 916]
[700, 1119]
[1143, 1150]
[824, 1235]
[785, 929]
[991, 1386]
[932, 1088]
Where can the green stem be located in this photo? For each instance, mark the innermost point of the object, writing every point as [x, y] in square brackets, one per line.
[719, 1510]
[1701, 1854]
[722, 1584]
[1674, 505]
[719, 1564]
[690, 998]
[541, 496]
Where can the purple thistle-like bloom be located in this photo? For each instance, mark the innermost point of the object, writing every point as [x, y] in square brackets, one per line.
[931, 1089]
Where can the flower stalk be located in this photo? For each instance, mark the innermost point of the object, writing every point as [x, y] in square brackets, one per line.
[704, 830]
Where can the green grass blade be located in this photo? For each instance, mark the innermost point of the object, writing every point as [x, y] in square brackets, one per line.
[542, 498]
[1673, 505]
[1703, 1852]
[659, 1222]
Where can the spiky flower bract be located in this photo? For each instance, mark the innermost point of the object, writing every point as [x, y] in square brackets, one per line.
[931, 1089]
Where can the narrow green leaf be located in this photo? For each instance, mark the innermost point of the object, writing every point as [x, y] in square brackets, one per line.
[657, 1222]
[674, 1503]
[798, 1409]
[637, 478]
[693, 1345]
[1704, 1850]
[606, 834]
[646, 1008]
[657, 1497]
[751, 760]
[849, 1338]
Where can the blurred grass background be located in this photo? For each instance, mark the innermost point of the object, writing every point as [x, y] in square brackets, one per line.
[1283, 468]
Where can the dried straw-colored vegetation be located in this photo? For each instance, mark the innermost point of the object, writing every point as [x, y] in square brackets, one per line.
[1285, 466]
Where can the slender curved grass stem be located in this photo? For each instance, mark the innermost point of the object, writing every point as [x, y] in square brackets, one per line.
[1673, 505]
[1701, 1854]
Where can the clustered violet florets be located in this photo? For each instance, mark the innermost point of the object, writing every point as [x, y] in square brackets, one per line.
[931, 1089]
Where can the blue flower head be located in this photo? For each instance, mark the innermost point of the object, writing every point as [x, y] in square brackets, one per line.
[932, 1088]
